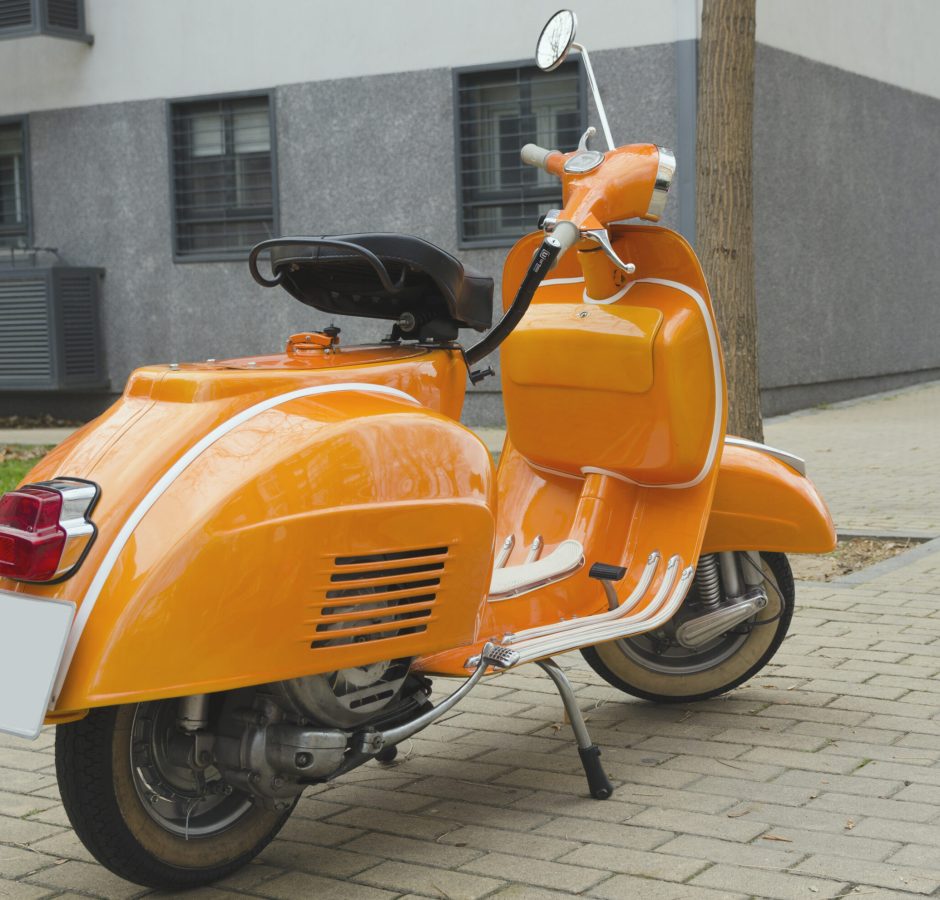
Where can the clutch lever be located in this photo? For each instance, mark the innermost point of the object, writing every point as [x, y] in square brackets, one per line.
[549, 221]
[600, 236]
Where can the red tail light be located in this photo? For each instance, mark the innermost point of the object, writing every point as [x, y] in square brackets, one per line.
[31, 538]
[44, 530]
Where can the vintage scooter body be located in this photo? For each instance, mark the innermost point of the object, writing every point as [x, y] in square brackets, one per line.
[261, 560]
[234, 493]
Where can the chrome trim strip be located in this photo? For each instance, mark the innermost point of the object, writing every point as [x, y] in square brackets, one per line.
[665, 172]
[659, 611]
[157, 491]
[652, 564]
[797, 463]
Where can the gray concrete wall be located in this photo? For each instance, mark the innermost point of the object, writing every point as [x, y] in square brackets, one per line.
[845, 215]
[846, 204]
[374, 153]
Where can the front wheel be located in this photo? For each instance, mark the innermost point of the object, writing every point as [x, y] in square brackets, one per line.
[654, 667]
[146, 816]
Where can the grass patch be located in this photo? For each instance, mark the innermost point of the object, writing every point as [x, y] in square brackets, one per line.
[15, 462]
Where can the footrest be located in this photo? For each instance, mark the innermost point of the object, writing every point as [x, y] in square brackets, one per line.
[512, 581]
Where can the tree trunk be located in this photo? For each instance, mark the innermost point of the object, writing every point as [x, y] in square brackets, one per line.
[724, 197]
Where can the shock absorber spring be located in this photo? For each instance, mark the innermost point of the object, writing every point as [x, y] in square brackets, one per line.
[708, 581]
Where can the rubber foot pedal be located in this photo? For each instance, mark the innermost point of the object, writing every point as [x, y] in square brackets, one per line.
[606, 572]
[598, 782]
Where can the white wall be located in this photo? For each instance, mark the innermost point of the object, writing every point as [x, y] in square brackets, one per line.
[892, 40]
[172, 48]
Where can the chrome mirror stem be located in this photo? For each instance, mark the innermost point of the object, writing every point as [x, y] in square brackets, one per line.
[597, 94]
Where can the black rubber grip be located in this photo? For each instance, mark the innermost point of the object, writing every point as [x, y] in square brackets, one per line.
[598, 782]
[605, 572]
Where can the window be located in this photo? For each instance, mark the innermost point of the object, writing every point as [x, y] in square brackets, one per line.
[223, 175]
[499, 110]
[58, 18]
[14, 184]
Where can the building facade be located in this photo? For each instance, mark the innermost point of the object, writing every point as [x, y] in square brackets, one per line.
[156, 141]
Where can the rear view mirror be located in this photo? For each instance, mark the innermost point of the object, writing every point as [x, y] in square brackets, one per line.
[555, 40]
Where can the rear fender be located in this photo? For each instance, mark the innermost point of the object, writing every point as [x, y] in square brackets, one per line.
[764, 503]
[248, 566]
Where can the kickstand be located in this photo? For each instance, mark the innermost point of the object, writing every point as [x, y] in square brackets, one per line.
[590, 753]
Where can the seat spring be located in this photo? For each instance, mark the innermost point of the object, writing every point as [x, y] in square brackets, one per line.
[708, 581]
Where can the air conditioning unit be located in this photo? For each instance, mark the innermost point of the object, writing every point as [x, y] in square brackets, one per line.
[50, 336]
[56, 18]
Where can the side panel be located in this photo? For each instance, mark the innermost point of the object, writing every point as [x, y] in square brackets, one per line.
[329, 532]
[762, 504]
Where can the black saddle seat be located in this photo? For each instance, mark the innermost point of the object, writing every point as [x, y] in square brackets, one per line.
[430, 284]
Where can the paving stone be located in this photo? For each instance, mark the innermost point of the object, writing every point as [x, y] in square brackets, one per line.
[618, 835]
[682, 821]
[429, 789]
[570, 877]
[622, 886]
[15, 862]
[736, 768]
[788, 816]
[763, 792]
[527, 892]
[510, 818]
[528, 844]
[776, 885]
[844, 784]
[870, 806]
[615, 810]
[328, 861]
[86, 878]
[300, 884]
[21, 890]
[359, 820]
[785, 741]
[794, 759]
[24, 831]
[635, 862]
[429, 881]
[900, 878]
[777, 855]
[843, 733]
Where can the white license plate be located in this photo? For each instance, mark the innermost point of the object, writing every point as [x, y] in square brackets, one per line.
[32, 638]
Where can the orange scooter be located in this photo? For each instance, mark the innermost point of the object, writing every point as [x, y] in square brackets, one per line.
[240, 579]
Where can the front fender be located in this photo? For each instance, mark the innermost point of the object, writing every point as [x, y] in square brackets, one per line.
[761, 503]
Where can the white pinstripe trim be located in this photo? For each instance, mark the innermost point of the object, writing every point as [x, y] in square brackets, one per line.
[550, 281]
[157, 491]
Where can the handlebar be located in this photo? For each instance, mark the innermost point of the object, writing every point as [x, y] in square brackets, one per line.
[534, 155]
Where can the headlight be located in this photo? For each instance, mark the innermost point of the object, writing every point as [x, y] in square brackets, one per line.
[664, 174]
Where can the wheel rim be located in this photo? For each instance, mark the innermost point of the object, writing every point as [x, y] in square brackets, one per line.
[182, 800]
[677, 660]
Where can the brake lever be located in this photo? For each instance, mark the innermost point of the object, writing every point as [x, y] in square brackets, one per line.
[600, 236]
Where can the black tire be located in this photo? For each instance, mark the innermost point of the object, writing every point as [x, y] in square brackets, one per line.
[94, 769]
[622, 667]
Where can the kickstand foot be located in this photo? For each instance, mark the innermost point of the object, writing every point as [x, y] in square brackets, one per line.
[598, 782]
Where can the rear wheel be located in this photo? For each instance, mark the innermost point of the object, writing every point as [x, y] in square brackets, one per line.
[655, 667]
[150, 817]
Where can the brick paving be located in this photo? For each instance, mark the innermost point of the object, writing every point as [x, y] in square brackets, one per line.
[875, 459]
[819, 778]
